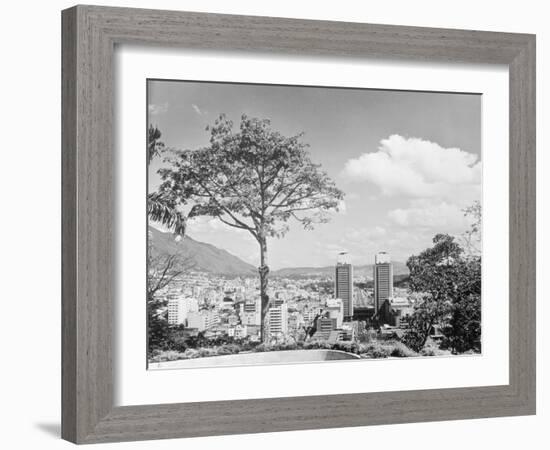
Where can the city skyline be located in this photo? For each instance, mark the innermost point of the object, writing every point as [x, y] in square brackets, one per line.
[228, 308]
[406, 176]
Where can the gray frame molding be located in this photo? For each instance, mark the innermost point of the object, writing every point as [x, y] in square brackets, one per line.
[89, 36]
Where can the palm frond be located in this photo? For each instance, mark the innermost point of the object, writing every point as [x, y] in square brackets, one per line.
[159, 210]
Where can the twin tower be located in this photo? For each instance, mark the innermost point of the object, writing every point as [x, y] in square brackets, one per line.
[382, 277]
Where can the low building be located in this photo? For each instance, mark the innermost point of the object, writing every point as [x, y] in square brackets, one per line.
[203, 320]
[335, 310]
[179, 309]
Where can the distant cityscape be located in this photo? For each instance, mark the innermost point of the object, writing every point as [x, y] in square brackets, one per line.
[332, 309]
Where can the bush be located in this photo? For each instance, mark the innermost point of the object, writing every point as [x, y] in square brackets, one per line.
[400, 350]
[190, 353]
[178, 343]
[205, 352]
[432, 350]
[414, 340]
[261, 347]
[346, 346]
[228, 349]
[379, 351]
[385, 349]
[374, 349]
[166, 355]
[317, 345]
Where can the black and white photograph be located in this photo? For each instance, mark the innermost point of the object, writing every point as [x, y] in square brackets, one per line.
[298, 224]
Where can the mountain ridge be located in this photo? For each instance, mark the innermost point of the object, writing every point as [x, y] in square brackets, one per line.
[202, 256]
[399, 268]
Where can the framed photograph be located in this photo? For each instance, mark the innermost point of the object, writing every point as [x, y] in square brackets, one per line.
[277, 224]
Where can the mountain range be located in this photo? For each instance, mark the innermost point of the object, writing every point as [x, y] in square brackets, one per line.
[360, 271]
[209, 258]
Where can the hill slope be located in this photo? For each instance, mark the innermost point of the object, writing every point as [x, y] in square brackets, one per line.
[200, 255]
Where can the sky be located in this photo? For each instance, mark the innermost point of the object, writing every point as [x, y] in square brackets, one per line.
[408, 162]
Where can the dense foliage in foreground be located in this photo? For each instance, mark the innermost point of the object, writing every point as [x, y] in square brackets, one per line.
[449, 285]
[374, 349]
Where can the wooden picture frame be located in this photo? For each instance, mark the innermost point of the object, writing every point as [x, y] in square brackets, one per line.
[90, 34]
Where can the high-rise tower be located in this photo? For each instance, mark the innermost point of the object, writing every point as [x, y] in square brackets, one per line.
[343, 286]
[383, 279]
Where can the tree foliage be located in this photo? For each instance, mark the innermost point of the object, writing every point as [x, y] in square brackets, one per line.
[162, 208]
[463, 329]
[472, 236]
[154, 145]
[162, 271]
[254, 179]
[450, 284]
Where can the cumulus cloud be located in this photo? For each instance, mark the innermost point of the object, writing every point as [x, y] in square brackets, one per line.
[417, 168]
[157, 109]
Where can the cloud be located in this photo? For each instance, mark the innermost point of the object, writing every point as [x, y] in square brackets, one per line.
[445, 216]
[199, 111]
[417, 168]
[156, 110]
[204, 225]
[365, 233]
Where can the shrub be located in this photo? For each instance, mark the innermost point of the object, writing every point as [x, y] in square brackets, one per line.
[414, 340]
[205, 352]
[315, 345]
[379, 351]
[228, 349]
[167, 355]
[261, 347]
[190, 353]
[400, 350]
[385, 349]
[346, 346]
[374, 349]
[289, 346]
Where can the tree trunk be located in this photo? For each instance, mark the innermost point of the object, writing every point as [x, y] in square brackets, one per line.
[263, 271]
[426, 334]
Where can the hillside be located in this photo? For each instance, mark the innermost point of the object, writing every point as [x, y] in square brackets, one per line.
[200, 255]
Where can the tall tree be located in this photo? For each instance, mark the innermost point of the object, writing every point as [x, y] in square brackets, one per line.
[253, 179]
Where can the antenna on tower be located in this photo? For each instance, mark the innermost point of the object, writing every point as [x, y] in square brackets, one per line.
[342, 258]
